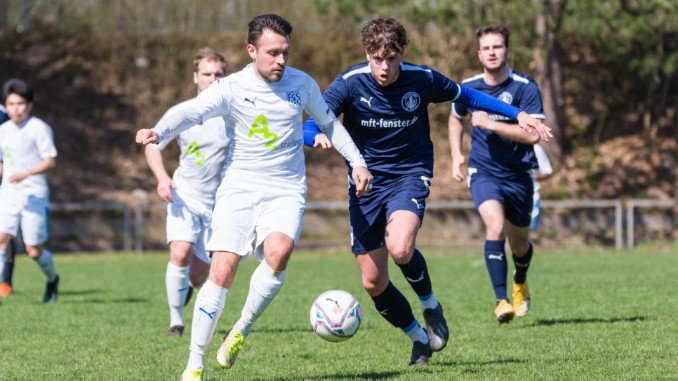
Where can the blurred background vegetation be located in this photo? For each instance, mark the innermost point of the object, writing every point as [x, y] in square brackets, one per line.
[104, 68]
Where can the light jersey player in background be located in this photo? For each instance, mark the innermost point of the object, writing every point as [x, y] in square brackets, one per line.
[542, 172]
[499, 167]
[384, 102]
[261, 200]
[27, 151]
[190, 193]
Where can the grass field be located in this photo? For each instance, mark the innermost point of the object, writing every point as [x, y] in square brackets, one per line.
[597, 314]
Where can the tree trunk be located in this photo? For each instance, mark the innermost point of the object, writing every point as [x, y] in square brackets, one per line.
[549, 75]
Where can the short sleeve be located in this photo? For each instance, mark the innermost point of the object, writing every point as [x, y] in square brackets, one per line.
[45, 142]
[530, 101]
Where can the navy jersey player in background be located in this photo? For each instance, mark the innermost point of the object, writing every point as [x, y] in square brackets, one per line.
[384, 102]
[499, 166]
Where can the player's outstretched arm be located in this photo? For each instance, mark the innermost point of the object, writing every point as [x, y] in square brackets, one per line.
[510, 131]
[455, 130]
[165, 183]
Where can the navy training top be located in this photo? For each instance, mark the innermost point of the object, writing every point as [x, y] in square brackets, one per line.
[494, 154]
[389, 124]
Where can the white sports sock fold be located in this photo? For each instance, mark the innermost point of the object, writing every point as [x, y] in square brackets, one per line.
[46, 264]
[208, 306]
[264, 286]
[3, 256]
[176, 284]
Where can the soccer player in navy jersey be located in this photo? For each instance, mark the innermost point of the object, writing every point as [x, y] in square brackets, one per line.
[384, 102]
[499, 166]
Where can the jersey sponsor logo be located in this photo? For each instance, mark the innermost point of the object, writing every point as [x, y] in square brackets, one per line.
[294, 99]
[368, 101]
[251, 101]
[385, 123]
[410, 101]
[255, 129]
[194, 149]
[505, 97]
[9, 159]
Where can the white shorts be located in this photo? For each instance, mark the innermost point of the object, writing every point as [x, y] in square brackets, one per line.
[30, 214]
[242, 219]
[188, 224]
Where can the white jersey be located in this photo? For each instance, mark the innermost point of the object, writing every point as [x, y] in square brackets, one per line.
[22, 148]
[544, 165]
[264, 121]
[203, 154]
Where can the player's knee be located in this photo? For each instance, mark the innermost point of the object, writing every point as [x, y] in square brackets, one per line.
[520, 248]
[401, 254]
[375, 286]
[34, 251]
[495, 231]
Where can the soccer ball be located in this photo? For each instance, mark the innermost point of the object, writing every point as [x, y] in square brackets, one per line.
[335, 315]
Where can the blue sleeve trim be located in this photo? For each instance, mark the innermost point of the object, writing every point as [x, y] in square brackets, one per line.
[311, 130]
[480, 101]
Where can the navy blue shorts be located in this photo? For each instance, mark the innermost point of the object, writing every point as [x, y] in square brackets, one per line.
[370, 213]
[514, 194]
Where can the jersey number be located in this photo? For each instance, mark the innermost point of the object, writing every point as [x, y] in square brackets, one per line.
[255, 129]
[194, 149]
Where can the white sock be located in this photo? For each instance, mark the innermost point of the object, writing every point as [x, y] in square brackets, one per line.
[208, 306]
[3, 255]
[47, 265]
[430, 303]
[264, 286]
[417, 334]
[176, 283]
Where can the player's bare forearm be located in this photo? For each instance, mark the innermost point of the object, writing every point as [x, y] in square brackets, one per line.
[530, 124]
[43, 166]
[155, 163]
[512, 132]
[455, 131]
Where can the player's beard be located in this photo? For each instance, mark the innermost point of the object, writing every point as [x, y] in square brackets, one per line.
[272, 76]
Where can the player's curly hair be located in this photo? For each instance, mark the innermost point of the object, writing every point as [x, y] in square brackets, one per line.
[270, 21]
[210, 55]
[386, 33]
[493, 29]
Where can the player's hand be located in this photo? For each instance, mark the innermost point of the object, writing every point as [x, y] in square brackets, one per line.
[322, 141]
[18, 177]
[532, 125]
[480, 119]
[457, 162]
[165, 189]
[146, 136]
[363, 180]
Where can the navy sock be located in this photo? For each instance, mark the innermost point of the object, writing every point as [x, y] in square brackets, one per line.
[522, 264]
[416, 274]
[393, 306]
[495, 260]
[9, 263]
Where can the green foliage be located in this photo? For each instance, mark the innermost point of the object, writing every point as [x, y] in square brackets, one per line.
[596, 315]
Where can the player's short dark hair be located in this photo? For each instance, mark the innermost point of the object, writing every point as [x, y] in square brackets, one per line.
[18, 87]
[270, 21]
[493, 29]
[210, 54]
[386, 33]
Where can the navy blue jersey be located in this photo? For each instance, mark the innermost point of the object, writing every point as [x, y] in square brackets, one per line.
[3, 115]
[490, 152]
[389, 124]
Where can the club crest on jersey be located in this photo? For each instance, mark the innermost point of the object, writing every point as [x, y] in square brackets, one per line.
[506, 97]
[410, 101]
[294, 99]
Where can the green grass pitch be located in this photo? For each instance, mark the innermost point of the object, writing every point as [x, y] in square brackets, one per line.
[596, 314]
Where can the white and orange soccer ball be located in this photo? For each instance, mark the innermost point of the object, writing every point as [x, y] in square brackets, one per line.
[335, 315]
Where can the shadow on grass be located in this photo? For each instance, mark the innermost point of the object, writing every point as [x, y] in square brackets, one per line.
[480, 363]
[276, 330]
[106, 301]
[79, 292]
[347, 376]
[549, 322]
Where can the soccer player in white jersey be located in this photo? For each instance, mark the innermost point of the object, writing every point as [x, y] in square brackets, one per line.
[27, 151]
[190, 194]
[261, 200]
